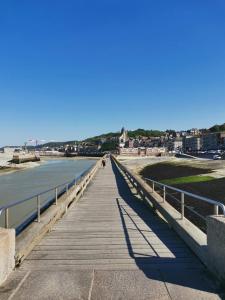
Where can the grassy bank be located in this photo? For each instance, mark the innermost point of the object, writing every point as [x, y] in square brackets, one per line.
[187, 179]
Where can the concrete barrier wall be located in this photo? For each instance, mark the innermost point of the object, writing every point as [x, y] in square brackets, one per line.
[216, 245]
[7, 252]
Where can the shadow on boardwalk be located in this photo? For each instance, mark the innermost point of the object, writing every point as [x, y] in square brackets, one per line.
[180, 270]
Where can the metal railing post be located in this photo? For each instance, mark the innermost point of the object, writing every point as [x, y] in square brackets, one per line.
[153, 186]
[7, 218]
[56, 196]
[82, 189]
[38, 209]
[216, 210]
[164, 193]
[182, 206]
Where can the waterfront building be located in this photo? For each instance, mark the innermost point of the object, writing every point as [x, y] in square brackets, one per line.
[192, 143]
[213, 141]
[128, 151]
[156, 151]
[143, 151]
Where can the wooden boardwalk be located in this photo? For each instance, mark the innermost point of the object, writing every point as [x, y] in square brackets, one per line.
[111, 246]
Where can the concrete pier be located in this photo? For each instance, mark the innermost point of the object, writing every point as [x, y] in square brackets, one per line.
[110, 245]
[25, 157]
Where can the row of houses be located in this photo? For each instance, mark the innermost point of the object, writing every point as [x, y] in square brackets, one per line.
[209, 141]
[143, 146]
[146, 146]
[143, 151]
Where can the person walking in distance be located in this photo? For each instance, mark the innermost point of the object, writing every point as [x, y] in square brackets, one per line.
[103, 163]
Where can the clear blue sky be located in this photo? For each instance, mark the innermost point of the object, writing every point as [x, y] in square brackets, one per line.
[71, 69]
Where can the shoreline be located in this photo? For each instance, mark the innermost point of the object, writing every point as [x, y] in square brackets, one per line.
[65, 157]
[11, 168]
[8, 168]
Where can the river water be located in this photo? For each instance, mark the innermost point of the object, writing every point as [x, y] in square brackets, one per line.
[25, 183]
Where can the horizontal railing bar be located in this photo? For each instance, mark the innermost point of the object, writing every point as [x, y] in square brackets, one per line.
[159, 187]
[33, 214]
[195, 212]
[205, 199]
[2, 208]
[187, 207]
[173, 197]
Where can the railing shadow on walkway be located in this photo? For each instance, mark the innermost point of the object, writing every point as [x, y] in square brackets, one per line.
[195, 278]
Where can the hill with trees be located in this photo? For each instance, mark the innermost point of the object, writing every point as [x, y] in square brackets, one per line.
[217, 128]
[147, 133]
[131, 133]
[108, 140]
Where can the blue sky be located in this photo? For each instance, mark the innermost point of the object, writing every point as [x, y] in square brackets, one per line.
[73, 69]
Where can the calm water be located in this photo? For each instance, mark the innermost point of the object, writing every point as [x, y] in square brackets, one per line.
[23, 184]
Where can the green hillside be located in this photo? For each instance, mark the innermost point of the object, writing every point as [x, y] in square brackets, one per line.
[217, 128]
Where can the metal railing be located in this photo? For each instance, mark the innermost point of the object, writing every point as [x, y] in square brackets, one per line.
[165, 188]
[58, 190]
[181, 200]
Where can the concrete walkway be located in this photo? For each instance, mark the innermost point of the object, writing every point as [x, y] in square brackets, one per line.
[110, 246]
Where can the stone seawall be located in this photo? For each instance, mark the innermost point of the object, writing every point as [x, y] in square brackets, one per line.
[22, 158]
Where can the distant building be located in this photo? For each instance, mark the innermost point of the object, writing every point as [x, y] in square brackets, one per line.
[141, 145]
[88, 148]
[183, 133]
[129, 151]
[156, 151]
[192, 143]
[194, 131]
[131, 143]
[142, 151]
[123, 138]
[175, 144]
[213, 141]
